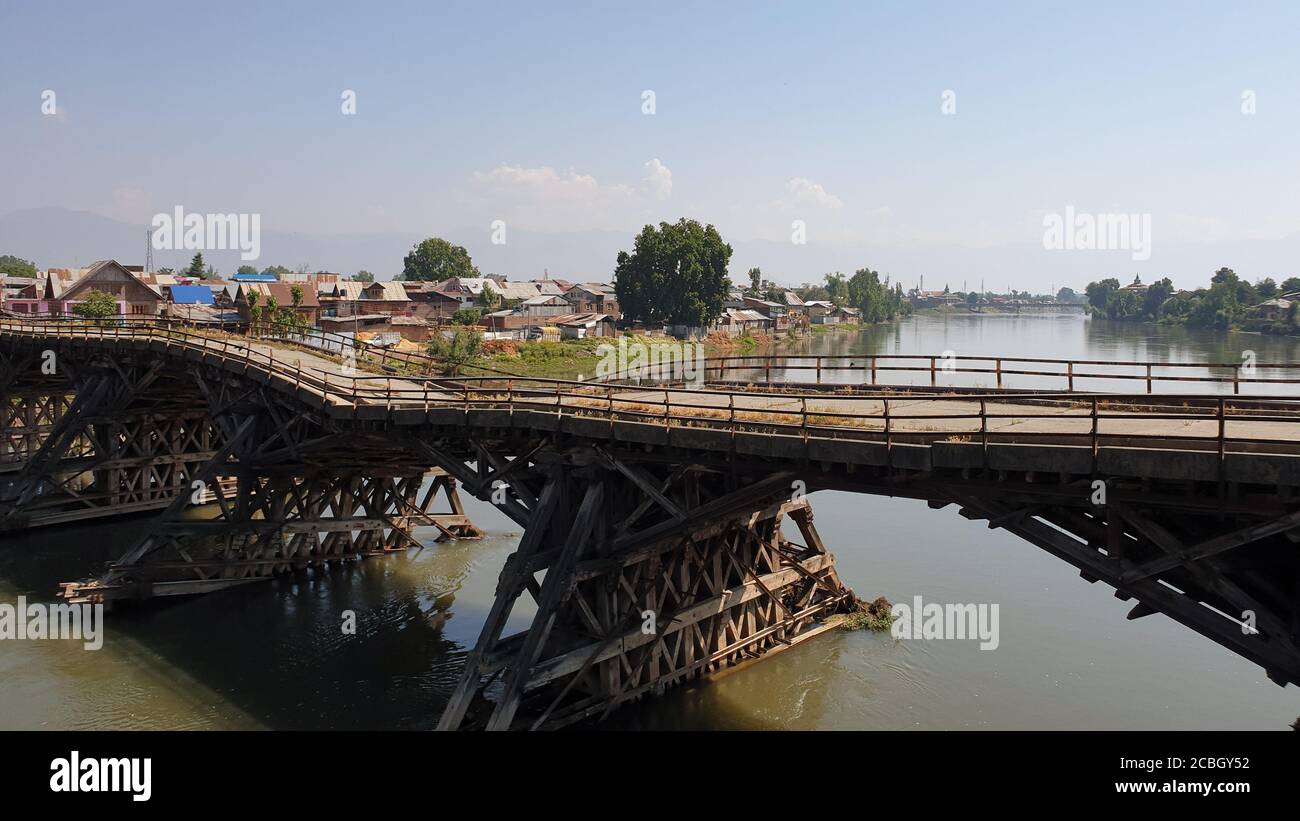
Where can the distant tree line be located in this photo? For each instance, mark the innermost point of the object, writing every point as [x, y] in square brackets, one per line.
[1225, 304]
[876, 298]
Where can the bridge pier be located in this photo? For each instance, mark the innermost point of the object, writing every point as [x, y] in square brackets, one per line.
[710, 581]
[283, 491]
[274, 523]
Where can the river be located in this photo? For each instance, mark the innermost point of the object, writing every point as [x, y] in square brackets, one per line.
[274, 656]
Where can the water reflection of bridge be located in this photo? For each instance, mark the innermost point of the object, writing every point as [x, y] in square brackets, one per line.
[658, 506]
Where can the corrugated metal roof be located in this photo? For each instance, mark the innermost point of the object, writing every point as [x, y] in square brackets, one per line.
[191, 294]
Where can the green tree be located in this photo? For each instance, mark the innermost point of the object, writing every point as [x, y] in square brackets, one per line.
[1220, 307]
[837, 288]
[1066, 296]
[1099, 294]
[17, 267]
[276, 271]
[676, 274]
[1154, 298]
[1266, 288]
[466, 316]
[488, 298]
[363, 276]
[96, 305]
[246, 269]
[755, 282]
[876, 299]
[436, 259]
[1290, 285]
[196, 268]
[254, 310]
[463, 347]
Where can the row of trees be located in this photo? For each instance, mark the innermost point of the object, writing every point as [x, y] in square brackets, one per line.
[1224, 304]
[876, 298]
[12, 266]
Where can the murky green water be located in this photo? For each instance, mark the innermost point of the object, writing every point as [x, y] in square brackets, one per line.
[274, 656]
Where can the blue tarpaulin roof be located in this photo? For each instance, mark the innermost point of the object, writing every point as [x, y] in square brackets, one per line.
[191, 295]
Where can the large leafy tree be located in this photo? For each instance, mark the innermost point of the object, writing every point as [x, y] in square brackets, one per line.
[17, 267]
[436, 259]
[676, 274]
[876, 299]
[1100, 293]
[837, 288]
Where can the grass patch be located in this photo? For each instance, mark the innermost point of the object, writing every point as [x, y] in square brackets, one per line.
[869, 616]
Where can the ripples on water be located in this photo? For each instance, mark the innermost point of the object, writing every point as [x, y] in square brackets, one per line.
[273, 655]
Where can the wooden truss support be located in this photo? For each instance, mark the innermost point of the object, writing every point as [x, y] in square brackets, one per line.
[115, 441]
[1237, 606]
[273, 524]
[699, 588]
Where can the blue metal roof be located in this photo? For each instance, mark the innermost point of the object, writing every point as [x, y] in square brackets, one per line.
[191, 294]
[254, 278]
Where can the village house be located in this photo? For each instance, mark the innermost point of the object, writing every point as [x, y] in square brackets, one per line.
[349, 298]
[410, 328]
[584, 326]
[133, 297]
[282, 293]
[429, 303]
[740, 321]
[593, 297]
[543, 306]
[1272, 309]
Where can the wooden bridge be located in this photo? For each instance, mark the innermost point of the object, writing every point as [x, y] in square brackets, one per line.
[653, 514]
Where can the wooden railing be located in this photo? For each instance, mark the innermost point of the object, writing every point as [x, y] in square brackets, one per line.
[1186, 421]
[999, 371]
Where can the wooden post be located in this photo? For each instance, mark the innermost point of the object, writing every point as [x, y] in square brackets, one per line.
[1094, 432]
[889, 443]
[984, 432]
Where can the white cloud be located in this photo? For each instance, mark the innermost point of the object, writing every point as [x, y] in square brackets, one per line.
[547, 184]
[545, 198]
[659, 179]
[803, 191]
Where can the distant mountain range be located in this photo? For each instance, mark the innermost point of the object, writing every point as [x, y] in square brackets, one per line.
[59, 237]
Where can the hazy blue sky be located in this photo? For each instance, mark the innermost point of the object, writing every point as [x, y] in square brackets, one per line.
[765, 113]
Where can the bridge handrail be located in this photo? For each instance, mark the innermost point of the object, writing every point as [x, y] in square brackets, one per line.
[758, 369]
[718, 368]
[887, 423]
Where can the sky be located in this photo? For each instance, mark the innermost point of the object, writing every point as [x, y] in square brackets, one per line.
[925, 134]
